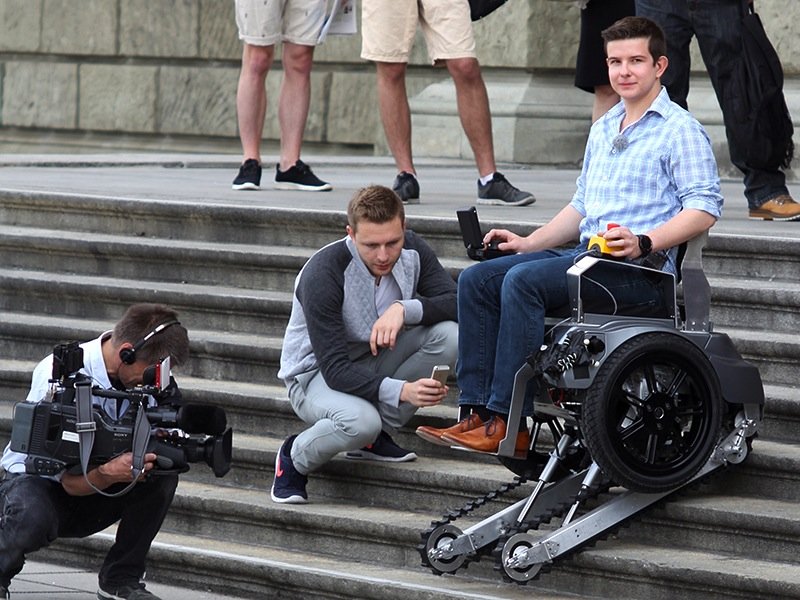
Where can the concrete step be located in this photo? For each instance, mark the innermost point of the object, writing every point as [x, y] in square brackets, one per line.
[769, 305]
[214, 354]
[247, 266]
[209, 222]
[248, 570]
[208, 307]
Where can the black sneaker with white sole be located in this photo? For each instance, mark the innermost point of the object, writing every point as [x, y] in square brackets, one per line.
[500, 192]
[249, 177]
[289, 485]
[126, 592]
[299, 177]
[383, 449]
[407, 187]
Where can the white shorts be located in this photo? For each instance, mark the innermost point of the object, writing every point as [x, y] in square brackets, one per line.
[267, 22]
[388, 29]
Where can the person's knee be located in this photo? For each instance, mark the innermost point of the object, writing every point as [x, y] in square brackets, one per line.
[464, 70]
[28, 511]
[444, 339]
[297, 60]
[391, 73]
[257, 60]
[362, 430]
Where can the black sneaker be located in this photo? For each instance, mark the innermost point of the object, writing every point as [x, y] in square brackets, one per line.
[299, 177]
[249, 177]
[289, 485]
[500, 192]
[383, 449]
[407, 187]
[126, 592]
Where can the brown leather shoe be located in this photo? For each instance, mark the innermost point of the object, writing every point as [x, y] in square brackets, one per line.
[488, 437]
[433, 435]
[780, 208]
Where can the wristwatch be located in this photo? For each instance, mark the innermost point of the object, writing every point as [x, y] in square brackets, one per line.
[645, 245]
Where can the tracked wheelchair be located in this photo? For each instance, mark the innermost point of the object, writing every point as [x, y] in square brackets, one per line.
[639, 405]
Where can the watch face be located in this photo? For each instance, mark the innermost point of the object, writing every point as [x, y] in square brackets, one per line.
[645, 244]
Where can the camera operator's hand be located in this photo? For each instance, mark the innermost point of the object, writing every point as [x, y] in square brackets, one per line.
[117, 470]
[423, 392]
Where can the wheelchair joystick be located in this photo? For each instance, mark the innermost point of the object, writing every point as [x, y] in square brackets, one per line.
[597, 243]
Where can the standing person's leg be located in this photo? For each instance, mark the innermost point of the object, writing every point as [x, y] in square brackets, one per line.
[448, 34]
[395, 113]
[673, 17]
[251, 107]
[718, 27]
[295, 97]
[302, 23]
[388, 28]
[259, 27]
[251, 98]
[473, 110]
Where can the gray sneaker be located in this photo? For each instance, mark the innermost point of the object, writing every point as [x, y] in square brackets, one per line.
[501, 193]
[407, 187]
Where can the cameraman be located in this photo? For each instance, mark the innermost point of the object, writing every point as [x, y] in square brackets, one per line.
[37, 509]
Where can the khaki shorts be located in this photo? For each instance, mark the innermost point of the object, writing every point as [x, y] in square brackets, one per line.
[267, 22]
[388, 28]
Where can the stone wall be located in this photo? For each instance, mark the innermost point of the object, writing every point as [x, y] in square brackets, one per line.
[169, 67]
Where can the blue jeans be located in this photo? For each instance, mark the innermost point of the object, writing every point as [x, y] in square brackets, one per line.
[34, 511]
[502, 305]
[717, 24]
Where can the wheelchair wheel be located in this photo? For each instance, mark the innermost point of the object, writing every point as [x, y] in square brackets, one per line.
[654, 412]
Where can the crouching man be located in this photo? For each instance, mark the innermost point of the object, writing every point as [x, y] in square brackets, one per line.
[37, 509]
[372, 315]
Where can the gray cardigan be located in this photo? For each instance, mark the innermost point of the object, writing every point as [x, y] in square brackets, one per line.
[333, 310]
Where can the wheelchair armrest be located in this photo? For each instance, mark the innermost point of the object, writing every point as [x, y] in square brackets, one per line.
[577, 272]
[696, 290]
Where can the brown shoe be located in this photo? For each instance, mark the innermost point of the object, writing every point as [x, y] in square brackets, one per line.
[433, 435]
[488, 437]
[780, 208]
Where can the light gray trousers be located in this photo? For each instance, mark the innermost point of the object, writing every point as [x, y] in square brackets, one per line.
[341, 422]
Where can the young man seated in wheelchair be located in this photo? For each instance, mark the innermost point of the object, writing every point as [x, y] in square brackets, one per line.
[649, 182]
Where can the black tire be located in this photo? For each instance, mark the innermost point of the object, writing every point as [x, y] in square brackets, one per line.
[653, 415]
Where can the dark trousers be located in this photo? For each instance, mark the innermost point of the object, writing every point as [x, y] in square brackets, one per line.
[37, 510]
[717, 24]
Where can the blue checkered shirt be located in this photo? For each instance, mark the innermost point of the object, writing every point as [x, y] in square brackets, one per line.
[645, 175]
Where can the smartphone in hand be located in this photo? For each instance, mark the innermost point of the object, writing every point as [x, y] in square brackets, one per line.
[440, 373]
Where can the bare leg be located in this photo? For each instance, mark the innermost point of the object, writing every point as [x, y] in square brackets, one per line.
[294, 100]
[251, 98]
[604, 98]
[395, 113]
[473, 109]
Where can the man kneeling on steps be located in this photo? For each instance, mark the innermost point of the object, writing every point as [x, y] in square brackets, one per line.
[648, 166]
[372, 314]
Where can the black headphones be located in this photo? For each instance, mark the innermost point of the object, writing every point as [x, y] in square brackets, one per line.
[128, 355]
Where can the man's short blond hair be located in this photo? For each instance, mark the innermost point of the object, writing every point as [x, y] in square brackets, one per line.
[375, 204]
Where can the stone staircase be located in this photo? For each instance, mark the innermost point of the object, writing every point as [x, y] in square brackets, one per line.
[71, 264]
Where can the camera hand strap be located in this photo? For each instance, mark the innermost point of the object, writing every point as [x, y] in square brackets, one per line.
[85, 425]
[141, 436]
[85, 428]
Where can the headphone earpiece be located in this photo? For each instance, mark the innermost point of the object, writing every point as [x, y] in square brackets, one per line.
[128, 355]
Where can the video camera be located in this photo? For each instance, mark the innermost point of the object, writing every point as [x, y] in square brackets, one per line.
[49, 431]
